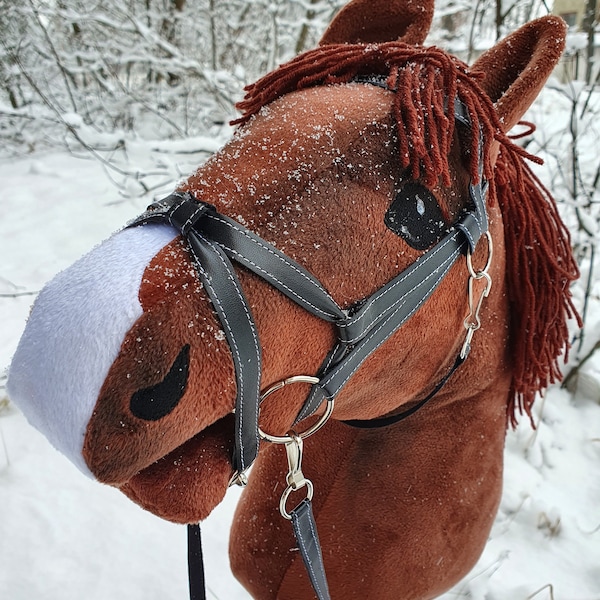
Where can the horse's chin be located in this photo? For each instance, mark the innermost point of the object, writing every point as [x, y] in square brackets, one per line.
[185, 485]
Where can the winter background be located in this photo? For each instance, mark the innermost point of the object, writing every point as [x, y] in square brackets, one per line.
[104, 107]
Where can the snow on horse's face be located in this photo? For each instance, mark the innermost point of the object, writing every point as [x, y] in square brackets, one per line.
[314, 174]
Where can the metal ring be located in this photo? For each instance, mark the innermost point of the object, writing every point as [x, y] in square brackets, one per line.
[286, 494]
[483, 272]
[284, 439]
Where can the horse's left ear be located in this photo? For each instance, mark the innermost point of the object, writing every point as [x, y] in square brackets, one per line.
[517, 68]
[377, 21]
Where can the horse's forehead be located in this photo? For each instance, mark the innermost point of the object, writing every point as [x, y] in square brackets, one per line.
[311, 125]
[296, 138]
[340, 107]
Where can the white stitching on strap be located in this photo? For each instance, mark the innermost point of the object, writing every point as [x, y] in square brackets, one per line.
[233, 340]
[383, 292]
[450, 262]
[467, 232]
[193, 216]
[280, 257]
[306, 555]
[270, 276]
[201, 207]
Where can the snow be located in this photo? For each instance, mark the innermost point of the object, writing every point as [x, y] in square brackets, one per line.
[65, 537]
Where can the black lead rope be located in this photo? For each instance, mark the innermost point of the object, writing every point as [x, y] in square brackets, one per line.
[195, 563]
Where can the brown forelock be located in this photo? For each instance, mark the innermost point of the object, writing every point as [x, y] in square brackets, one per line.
[368, 21]
[425, 81]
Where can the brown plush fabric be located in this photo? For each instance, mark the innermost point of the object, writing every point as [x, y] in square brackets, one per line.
[402, 512]
[367, 21]
[516, 69]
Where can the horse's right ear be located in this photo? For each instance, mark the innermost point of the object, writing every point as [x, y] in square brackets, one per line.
[377, 21]
[517, 68]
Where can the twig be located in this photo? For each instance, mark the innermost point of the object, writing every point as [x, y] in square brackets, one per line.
[4, 447]
[63, 71]
[547, 586]
[19, 294]
[575, 370]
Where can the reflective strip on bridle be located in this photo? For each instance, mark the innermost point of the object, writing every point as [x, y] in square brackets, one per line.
[216, 240]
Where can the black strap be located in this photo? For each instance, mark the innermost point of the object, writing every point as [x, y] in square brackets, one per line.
[195, 563]
[383, 314]
[272, 265]
[305, 530]
[393, 419]
[376, 318]
[218, 277]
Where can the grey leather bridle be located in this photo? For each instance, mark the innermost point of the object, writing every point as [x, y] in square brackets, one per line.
[217, 241]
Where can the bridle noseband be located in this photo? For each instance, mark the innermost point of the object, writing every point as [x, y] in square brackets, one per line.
[216, 241]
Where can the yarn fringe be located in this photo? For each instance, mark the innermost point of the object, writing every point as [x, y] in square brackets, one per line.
[540, 270]
[426, 81]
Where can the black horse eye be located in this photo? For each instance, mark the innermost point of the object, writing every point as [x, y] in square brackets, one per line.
[155, 402]
[416, 217]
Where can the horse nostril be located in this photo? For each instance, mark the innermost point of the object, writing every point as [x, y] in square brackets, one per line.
[155, 402]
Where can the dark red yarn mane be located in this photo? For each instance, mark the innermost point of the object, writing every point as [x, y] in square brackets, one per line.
[540, 265]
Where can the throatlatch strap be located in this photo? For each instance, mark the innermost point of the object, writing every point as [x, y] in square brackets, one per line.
[305, 530]
[393, 419]
[195, 563]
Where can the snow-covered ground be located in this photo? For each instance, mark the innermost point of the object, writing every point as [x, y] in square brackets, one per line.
[64, 537]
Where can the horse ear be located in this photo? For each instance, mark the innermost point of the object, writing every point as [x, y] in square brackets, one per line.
[517, 68]
[376, 21]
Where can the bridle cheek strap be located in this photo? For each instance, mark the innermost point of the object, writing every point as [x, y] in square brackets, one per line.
[213, 240]
[222, 286]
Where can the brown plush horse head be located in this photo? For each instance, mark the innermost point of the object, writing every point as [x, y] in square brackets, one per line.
[351, 162]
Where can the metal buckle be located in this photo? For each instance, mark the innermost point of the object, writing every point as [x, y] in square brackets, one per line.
[295, 477]
[284, 439]
[472, 321]
[238, 478]
[241, 478]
